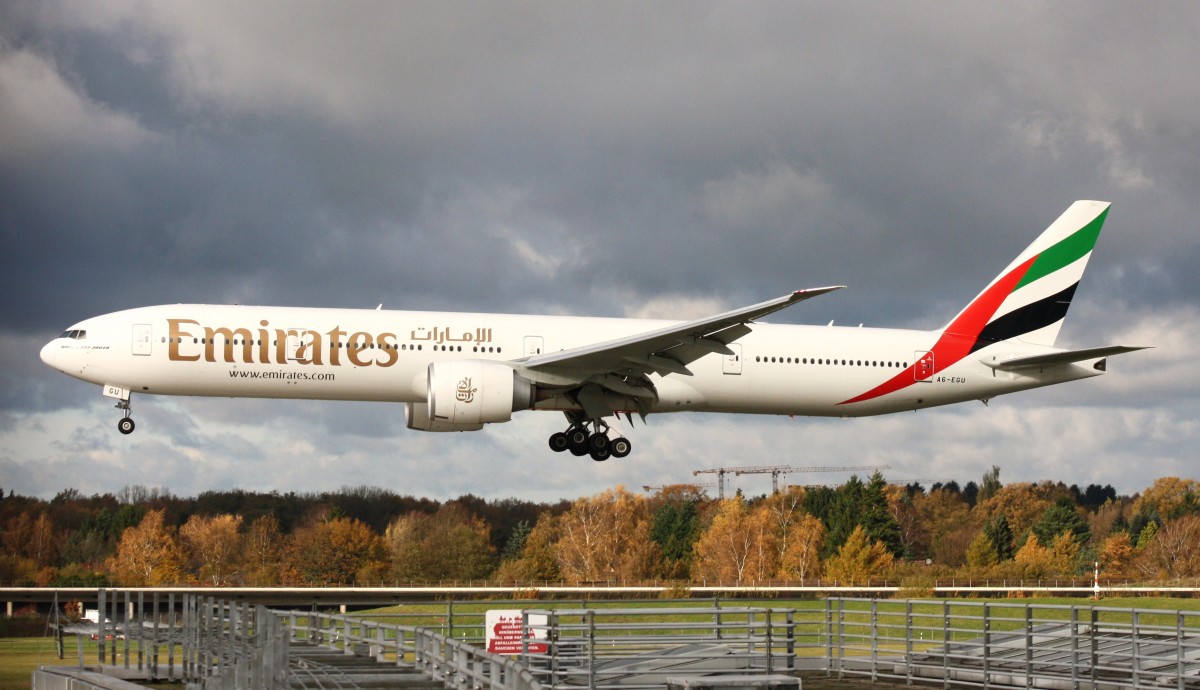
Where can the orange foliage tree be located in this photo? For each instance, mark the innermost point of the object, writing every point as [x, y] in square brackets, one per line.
[738, 547]
[147, 554]
[606, 538]
[214, 547]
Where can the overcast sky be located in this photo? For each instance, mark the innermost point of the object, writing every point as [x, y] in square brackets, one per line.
[636, 159]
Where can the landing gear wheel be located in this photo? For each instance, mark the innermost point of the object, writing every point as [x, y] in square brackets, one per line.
[577, 436]
[558, 442]
[600, 455]
[619, 447]
[578, 451]
[598, 442]
[125, 425]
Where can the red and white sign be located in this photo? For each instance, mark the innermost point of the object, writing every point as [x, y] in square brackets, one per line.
[504, 634]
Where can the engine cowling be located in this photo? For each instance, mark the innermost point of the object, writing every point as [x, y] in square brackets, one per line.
[475, 393]
[418, 418]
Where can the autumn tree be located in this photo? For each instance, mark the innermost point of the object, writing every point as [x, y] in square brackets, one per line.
[1116, 554]
[1036, 561]
[739, 546]
[263, 549]
[147, 554]
[1174, 551]
[336, 552]
[537, 562]
[1169, 498]
[448, 545]
[606, 537]
[859, 560]
[982, 555]
[30, 537]
[785, 510]
[214, 547]
[801, 558]
[1022, 503]
[942, 513]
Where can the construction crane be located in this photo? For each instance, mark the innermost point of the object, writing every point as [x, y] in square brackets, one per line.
[775, 471]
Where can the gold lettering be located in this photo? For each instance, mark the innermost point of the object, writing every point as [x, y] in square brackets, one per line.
[355, 350]
[336, 340]
[281, 355]
[228, 335]
[264, 343]
[309, 351]
[390, 355]
[177, 333]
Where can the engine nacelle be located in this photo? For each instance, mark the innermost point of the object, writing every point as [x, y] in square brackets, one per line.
[418, 418]
[475, 393]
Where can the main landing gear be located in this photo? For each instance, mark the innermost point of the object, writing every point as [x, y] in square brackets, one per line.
[125, 425]
[596, 443]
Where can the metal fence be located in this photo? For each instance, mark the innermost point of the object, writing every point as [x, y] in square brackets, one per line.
[952, 643]
[1012, 645]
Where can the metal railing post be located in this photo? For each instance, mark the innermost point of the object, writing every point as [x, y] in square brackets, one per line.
[1095, 645]
[908, 641]
[874, 640]
[946, 645]
[1074, 630]
[591, 622]
[1135, 660]
[987, 645]
[828, 637]
[1028, 646]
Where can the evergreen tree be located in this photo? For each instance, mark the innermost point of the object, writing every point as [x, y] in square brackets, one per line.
[1058, 518]
[1001, 536]
[877, 518]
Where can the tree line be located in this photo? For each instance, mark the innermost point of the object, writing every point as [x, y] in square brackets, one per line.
[857, 532]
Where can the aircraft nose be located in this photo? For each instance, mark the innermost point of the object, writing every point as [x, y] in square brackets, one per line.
[50, 352]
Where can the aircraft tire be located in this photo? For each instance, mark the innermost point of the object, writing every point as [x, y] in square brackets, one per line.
[125, 425]
[558, 442]
[577, 436]
[598, 441]
[620, 447]
[600, 455]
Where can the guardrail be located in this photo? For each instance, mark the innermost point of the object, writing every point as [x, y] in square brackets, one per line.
[1005, 645]
[455, 663]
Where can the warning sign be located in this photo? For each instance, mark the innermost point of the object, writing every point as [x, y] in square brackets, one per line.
[504, 634]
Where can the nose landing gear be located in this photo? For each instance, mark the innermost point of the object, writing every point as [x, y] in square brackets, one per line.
[596, 444]
[125, 425]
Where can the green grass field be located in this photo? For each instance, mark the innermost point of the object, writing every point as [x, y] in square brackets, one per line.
[19, 656]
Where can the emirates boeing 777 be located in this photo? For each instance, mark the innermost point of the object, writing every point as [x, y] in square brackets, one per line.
[461, 371]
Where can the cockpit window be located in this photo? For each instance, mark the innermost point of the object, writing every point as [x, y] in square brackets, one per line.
[74, 334]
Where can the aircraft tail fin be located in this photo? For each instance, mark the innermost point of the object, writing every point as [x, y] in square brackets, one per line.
[1029, 299]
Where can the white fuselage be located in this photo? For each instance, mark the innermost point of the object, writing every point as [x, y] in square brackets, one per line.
[376, 355]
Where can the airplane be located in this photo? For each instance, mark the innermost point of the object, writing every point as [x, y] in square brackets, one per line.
[462, 371]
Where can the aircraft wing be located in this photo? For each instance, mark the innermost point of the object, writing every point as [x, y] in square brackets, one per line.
[1065, 357]
[664, 351]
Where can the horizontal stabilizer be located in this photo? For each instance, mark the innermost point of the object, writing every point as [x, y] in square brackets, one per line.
[1065, 357]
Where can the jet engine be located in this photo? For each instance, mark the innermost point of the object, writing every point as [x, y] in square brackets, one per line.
[418, 418]
[463, 396]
